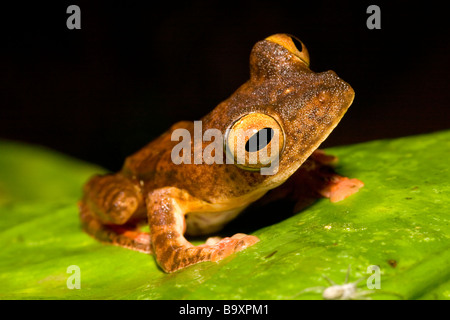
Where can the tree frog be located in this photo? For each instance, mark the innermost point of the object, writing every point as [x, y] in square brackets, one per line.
[178, 199]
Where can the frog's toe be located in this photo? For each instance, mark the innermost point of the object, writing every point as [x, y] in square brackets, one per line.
[341, 188]
[233, 244]
[244, 242]
[239, 236]
[212, 240]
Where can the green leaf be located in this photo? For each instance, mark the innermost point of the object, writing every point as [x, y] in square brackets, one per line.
[399, 221]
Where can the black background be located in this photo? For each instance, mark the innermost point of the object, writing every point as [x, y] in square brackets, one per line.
[135, 68]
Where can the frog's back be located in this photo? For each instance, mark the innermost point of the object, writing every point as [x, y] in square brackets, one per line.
[147, 164]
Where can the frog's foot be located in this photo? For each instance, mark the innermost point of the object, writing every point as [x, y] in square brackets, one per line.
[223, 247]
[315, 178]
[213, 240]
[172, 257]
[124, 236]
[339, 188]
[329, 183]
[166, 208]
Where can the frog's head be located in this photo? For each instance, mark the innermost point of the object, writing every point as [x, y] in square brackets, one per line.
[282, 96]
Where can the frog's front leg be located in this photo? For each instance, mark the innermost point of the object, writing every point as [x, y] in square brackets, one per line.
[316, 178]
[331, 185]
[166, 209]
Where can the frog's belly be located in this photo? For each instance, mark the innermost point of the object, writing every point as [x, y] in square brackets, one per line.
[200, 223]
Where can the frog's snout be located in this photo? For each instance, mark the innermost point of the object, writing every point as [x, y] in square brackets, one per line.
[342, 93]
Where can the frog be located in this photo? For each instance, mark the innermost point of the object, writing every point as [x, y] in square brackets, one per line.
[180, 200]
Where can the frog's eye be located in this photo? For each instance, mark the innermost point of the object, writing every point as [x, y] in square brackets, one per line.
[254, 141]
[293, 45]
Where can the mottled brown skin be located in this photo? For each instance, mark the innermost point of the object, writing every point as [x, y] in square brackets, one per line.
[202, 198]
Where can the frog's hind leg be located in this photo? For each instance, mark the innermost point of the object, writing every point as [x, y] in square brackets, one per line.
[124, 236]
[107, 210]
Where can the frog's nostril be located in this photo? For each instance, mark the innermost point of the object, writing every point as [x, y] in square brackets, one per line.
[323, 96]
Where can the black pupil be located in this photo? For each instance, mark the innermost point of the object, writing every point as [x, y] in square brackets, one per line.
[259, 140]
[297, 43]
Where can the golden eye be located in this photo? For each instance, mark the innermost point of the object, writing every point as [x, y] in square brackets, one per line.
[254, 141]
[292, 44]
